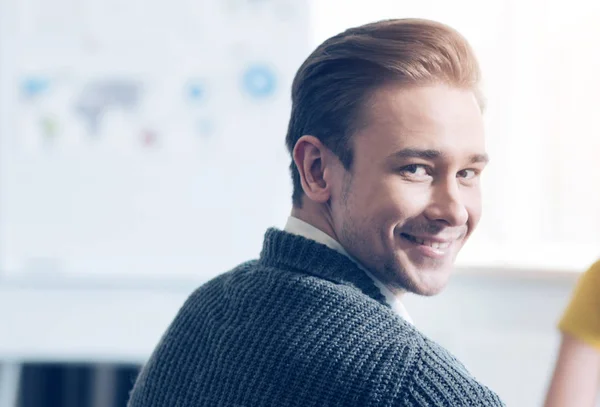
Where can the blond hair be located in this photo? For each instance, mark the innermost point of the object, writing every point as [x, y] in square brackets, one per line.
[334, 82]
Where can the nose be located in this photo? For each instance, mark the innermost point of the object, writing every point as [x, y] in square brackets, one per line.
[446, 204]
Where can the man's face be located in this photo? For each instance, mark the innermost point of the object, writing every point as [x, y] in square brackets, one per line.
[412, 197]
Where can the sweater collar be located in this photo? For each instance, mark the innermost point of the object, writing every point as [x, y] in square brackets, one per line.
[299, 227]
[282, 249]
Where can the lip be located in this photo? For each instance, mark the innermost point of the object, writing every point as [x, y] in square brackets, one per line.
[444, 245]
[435, 239]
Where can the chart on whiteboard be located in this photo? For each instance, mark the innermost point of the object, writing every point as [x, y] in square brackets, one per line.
[143, 138]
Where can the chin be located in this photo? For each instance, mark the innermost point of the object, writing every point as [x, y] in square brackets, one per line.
[429, 291]
[426, 282]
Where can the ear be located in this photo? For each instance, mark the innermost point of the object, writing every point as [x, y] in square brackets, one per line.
[310, 156]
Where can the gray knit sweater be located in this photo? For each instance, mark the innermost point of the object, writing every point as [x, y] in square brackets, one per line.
[301, 326]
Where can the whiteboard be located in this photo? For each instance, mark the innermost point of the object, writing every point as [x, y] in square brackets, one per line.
[144, 138]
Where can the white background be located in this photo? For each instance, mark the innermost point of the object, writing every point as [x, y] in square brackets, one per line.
[102, 203]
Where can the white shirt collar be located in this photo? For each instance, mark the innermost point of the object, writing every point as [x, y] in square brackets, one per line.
[299, 227]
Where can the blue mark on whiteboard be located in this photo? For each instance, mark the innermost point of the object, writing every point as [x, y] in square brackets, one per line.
[34, 86]
[195, 91]
[259, 81]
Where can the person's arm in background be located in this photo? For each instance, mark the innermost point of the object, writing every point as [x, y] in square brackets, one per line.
[576, 377]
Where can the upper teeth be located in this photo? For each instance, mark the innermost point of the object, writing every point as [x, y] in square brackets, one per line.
[435, 245]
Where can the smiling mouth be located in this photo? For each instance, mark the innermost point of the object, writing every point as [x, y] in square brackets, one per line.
[425, 242]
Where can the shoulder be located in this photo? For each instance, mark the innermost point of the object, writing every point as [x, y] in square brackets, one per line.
[581, 318]
[593, 273]
[308, 319]
[587, 288]
[589, 282]
[439, 376]
[263, 285]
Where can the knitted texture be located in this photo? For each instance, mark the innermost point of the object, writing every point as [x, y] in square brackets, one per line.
[301, 326]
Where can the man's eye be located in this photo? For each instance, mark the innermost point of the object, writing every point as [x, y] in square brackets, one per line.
[468, 174]
[415, 170]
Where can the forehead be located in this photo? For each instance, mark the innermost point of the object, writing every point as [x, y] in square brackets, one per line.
[437, 117]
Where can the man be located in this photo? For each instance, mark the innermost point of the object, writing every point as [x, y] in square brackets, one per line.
[387, 145]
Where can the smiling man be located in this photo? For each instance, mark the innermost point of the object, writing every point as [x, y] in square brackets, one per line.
[387, 144]
[405, 202]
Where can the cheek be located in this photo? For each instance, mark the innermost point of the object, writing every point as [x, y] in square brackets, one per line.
[472, 202]
[396, 201]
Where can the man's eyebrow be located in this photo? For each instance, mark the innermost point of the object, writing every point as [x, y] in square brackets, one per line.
[417, 153]
[431, 154]
[479, 158]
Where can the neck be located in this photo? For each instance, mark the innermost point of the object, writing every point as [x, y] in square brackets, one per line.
[317, 215]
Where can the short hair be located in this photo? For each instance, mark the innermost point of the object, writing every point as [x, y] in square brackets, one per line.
[333, 84]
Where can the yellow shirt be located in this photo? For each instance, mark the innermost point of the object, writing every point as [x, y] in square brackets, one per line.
[582, 317]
